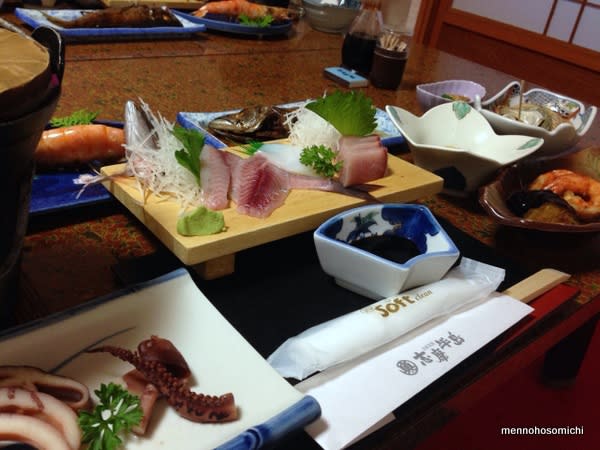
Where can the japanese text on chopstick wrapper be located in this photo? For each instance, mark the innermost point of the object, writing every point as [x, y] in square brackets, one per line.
[437, 351]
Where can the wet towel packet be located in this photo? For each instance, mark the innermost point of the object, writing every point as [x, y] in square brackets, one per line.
[356, 333]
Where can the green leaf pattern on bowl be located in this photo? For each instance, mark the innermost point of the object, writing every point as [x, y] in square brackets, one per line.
[530, 143]
[461, 109]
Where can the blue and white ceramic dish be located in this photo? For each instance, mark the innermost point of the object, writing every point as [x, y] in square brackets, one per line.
[200, 120]
[220, 359]
[224, 24]
[35, 18]
[454, 141]
[374, 276]
[577, 118]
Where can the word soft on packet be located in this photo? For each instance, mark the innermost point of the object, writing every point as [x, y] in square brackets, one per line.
[356, 333]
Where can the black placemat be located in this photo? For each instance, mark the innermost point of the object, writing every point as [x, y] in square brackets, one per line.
[279, 290]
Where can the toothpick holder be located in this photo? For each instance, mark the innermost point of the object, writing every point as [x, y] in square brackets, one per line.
[389, 60]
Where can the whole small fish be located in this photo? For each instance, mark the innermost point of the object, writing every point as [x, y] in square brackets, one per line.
[133, 16]
[257, 123]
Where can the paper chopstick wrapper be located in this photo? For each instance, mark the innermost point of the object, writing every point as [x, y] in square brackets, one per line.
[356, 333]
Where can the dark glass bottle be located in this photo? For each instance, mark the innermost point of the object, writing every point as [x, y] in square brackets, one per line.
[359, 43]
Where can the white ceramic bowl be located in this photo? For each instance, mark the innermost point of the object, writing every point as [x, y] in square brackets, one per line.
[431, 94]
[375, 276]
[558, 140]
[328, 18]
[455, 141]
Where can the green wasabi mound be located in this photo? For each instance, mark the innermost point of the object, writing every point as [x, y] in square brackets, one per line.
[201, 222]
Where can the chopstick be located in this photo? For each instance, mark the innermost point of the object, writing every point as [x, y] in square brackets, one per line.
[537, 284]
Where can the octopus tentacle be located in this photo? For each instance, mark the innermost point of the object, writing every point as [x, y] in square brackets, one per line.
[163, 351]
[191, 405]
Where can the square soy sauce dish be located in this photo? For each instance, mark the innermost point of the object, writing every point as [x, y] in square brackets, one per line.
[380, 250]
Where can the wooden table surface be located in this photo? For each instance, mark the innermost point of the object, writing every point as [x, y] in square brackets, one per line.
[68, 256]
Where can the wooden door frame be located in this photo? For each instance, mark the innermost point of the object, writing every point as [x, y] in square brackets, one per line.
[434, 15]
[429, 22]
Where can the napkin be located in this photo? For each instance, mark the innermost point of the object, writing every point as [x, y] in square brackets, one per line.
[376, 383]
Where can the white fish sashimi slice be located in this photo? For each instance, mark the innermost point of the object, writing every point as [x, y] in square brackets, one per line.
[260, 187]
[240, 171]
[235, 163]
[215, 177]
[286, 157]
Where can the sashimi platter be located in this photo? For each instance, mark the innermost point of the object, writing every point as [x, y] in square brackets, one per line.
[206, 204]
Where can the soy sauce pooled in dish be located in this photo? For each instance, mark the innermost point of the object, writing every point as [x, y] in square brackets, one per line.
[389, 246]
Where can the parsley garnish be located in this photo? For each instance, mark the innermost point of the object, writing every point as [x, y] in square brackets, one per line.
[116, 413]
[260, 22]
[321, 159]
[251, 147]
[351, 113]
[81, 117]
[189, 155]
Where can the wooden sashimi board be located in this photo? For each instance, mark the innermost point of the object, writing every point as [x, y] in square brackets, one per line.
[302, 211]
[176, 4]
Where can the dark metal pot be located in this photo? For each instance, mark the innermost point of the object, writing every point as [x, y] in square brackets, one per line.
[18, 140]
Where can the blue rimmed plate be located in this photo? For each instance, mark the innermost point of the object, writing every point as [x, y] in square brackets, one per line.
[220, 23]
[385, 127]
[220, 359]
[36, 18]
[57, 190]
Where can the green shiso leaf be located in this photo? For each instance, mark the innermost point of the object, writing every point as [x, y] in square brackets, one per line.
[351, 113]
[189, 155]
[81, 117]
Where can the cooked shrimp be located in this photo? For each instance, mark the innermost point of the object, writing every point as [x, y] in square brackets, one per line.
[546, 178]
[236, 8]
[581, 192]
[79, 144]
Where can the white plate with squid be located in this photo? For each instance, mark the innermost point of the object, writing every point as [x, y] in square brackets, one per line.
[220, 359]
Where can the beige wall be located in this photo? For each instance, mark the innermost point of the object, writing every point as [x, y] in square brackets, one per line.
[400, 14]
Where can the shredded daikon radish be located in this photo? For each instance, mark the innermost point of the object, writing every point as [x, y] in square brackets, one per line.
[308, 128]
[152, 162]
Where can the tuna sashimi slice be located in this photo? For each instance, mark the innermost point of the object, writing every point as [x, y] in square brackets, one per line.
[364, 159]
[258, 187]
[215, 175]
